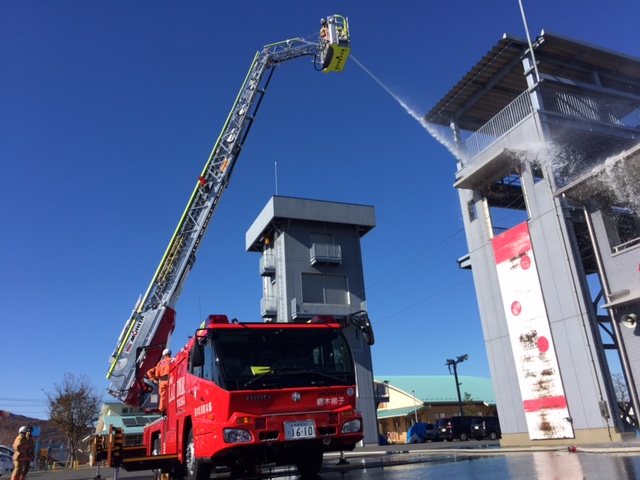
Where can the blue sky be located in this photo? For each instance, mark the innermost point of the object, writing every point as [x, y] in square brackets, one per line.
[109, 111]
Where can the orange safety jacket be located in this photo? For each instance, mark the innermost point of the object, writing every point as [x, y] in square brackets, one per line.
[161, 370]
[24, 448]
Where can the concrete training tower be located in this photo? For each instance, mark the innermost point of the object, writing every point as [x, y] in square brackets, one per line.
[548, 162]
[311, 265]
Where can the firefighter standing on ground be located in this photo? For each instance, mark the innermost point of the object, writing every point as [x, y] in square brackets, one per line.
[160, 374]
[25, 453]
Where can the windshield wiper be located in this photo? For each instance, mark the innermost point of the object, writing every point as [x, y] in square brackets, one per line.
[271, 371]
[295, 371]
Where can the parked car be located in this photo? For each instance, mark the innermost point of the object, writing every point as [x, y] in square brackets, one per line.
[431, 433]
[486, 427]
[6, 464]
[6, 450]
[455, 428]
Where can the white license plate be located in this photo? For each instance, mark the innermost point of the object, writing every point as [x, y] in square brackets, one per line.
[299, 430]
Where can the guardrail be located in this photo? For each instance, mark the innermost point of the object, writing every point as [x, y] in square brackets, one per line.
[610, 109]
[500, 124]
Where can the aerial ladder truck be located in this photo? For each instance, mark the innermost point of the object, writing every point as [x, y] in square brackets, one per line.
[207, 422]
[152, 320]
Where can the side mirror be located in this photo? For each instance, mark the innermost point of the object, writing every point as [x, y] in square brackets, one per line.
[367, 333]
[361, 321]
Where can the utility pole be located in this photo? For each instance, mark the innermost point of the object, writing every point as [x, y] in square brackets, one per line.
[415, 410]
[454, 363]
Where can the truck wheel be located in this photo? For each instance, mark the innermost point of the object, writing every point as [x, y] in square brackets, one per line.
[195, 469]
[309, 462]
[463, 437]
[493, 436]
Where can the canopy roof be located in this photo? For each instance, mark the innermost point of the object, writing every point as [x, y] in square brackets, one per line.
[442, 389]
[498, 78]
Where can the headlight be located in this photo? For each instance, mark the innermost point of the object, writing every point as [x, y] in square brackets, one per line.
[352, 426]
[236, 435]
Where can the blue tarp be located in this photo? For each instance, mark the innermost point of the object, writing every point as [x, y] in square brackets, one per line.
[417, 433]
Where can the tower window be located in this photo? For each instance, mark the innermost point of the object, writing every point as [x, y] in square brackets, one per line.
[321, 288]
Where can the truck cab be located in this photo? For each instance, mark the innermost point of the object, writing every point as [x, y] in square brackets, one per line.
[244, 394]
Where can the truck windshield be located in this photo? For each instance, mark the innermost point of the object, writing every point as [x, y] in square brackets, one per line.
[281, 358]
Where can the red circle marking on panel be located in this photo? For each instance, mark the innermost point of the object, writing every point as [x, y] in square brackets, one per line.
[543, 344]
[525, 262]
[516, 308]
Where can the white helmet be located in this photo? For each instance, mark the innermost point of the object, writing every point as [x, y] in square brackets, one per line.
[166, 352]
[23, 430]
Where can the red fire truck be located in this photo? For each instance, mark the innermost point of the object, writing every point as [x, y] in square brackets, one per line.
[246, 394]
[240, 395]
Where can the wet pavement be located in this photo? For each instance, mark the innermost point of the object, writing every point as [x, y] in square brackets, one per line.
[478, 460]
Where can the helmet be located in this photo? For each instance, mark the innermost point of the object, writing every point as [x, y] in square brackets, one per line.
[323, 21]
[24, 429]
[166, 352]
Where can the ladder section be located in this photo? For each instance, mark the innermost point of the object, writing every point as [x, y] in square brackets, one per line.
[149, 328]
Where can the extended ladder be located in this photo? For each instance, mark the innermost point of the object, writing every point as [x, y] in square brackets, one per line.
[152, 321]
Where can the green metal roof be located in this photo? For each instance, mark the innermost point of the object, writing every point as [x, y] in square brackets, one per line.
[398, 412]
[442, 389]
[131, 424]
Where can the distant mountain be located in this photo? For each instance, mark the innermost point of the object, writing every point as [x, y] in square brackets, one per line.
[10, 425]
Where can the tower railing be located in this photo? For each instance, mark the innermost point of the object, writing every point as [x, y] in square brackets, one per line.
[510, 116]
[621, 110]
[325, 253]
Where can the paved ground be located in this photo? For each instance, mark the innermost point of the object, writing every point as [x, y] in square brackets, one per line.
[369, 456]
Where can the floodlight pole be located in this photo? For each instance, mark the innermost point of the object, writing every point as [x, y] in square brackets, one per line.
[454, 363]
[526, 29]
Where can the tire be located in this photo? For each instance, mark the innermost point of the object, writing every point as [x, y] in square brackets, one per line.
[194, 468]
[493, 436]
[309, 462]
[463, 437]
